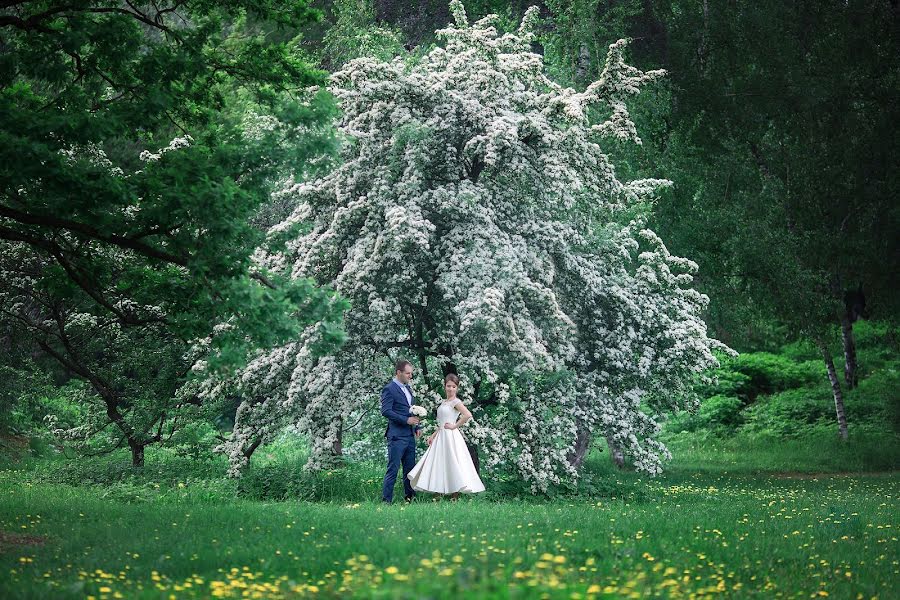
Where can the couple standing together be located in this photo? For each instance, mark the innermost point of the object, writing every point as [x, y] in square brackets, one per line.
[446, 467]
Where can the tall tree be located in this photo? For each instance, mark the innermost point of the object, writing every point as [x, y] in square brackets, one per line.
[778, 131]
[794, 153]
[137, 143]
[477, 225]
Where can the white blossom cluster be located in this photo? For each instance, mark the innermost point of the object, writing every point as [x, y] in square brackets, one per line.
[175, 144]
[93, 154]
[475, 220]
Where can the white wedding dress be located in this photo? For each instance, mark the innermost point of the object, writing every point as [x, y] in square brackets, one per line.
[446, 467]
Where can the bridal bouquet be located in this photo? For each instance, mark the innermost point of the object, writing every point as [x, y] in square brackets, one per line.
[418, 411]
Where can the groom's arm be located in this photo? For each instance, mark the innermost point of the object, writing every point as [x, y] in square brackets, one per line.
[387, 408]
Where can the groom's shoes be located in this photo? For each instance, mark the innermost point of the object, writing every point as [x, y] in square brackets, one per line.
[408, 499]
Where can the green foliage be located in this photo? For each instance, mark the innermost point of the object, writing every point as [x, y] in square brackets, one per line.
[579, 35]
[785, 395]
[138, 152]
[793, 228]
[719, 414]
[356, 33]
[879, 344]
[767, 373]
[28, 398]
[803, 350]
[19, 409]
[793, 412]
[816, 450]
[779, 231]
[870, 408]
[877, 399]
[163, 468]
[738, 383]
[84, 89]
[195, 440]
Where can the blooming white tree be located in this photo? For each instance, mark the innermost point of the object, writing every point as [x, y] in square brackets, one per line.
[476, 225]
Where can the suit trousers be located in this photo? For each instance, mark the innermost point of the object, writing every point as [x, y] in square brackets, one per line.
[401, 452]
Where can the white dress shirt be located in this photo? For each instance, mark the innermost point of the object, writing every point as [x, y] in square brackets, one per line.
[406, 391]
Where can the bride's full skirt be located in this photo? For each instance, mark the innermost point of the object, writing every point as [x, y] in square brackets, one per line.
[446, 467]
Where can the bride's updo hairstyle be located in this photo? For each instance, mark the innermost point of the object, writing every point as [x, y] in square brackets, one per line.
[452, 377]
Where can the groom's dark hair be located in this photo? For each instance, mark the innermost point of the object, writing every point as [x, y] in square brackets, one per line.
[400, 365]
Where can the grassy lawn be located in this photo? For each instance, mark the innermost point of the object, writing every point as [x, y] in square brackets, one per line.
[692, 532]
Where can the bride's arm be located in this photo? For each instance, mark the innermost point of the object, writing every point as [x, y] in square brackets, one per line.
[464, 417]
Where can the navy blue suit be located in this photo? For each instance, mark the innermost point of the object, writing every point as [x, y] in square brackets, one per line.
[401, 439]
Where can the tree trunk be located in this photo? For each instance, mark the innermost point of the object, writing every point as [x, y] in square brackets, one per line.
[249, 450]
[137, 454]
[473, 452]
[422, 354]
[703, 45]
[582, 445]
[106, 391]
[583, 63]
[851, 378]
[615, 451]
[835, 388]
[337, 447]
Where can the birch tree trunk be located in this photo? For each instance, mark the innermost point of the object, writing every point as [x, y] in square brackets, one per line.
[835, 388]
[851, 378]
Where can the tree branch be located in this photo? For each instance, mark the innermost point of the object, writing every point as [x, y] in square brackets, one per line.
[263, 280]
[35, 21]
[90, 291]
[87, 231]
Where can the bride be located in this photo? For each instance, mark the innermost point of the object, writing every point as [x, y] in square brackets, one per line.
[446, 467]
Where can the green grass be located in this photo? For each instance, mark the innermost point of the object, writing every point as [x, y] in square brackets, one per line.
[819, 452]
[706, 527]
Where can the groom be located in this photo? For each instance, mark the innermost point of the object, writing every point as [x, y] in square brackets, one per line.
[402, 430]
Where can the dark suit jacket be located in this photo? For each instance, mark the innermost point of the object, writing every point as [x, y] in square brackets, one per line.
[396, 409]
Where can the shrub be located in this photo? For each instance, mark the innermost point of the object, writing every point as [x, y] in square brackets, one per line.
[769, 373]
[195, 440]
[728, 381]
[791, 413]
[162, 467]
[801, 350]
[719, 414]
[876, 400]
[289, 481]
